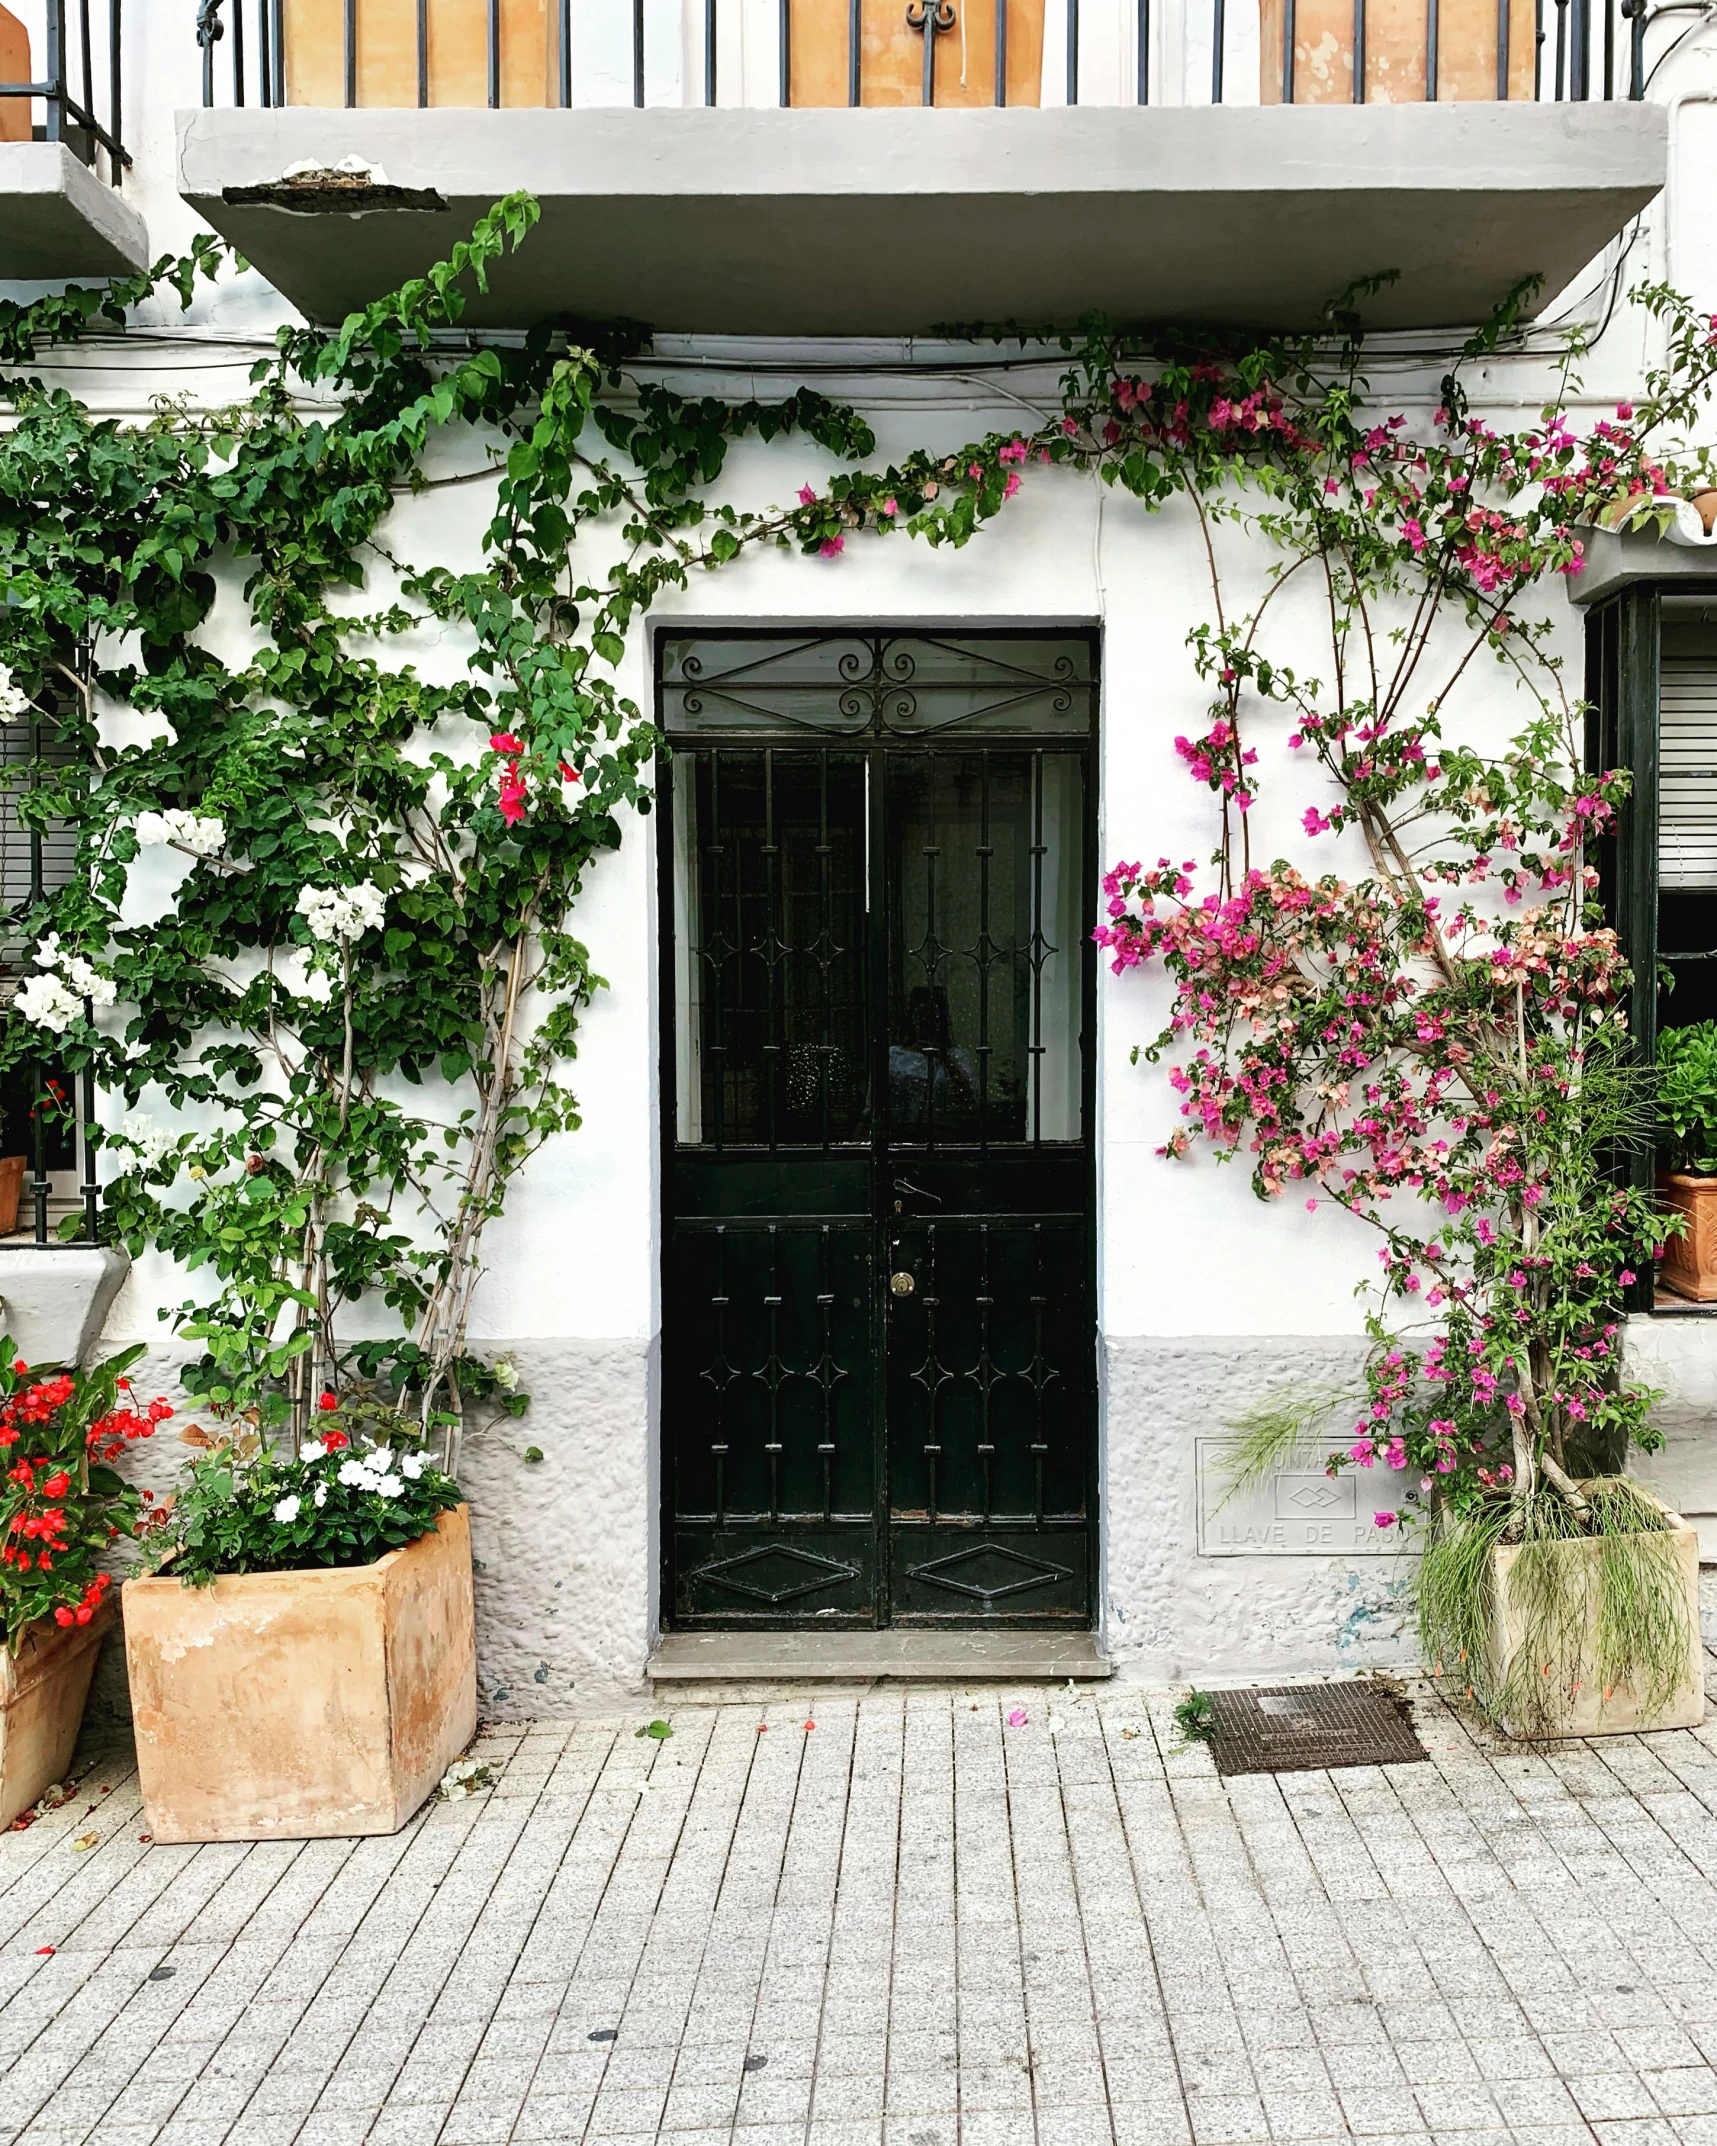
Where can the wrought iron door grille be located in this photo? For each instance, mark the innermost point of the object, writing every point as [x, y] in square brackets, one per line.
[878, 1332]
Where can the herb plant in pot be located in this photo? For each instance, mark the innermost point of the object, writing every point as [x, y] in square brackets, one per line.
[62, 1506]
[1687, 1142]
[302, 1656]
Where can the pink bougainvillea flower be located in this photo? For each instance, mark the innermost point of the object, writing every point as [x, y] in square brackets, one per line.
[889, 507]
[807, 498]
[503, 741]
[1384, 1520]
[1018, 1718]
[832, 547]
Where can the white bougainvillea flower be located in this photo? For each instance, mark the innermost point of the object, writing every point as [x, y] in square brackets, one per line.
[48, 1001]
[342, 912]
[14, 701]
[199, 832]
[149, 1142]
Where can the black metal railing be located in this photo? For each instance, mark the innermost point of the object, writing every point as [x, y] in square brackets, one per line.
[81, 65]
[45, 1110]
[1583, 50]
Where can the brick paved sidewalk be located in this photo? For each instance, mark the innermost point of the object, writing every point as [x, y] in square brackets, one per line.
[911, 1923]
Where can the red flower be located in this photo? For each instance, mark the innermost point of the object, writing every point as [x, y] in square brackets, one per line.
[334, 1440]
[57, 1485]
[328, 1402]
[504, 741]
[64, 1616]
[20, 1365]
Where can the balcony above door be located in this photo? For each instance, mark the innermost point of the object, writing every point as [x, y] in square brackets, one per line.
[1223, 161]
[62, 158]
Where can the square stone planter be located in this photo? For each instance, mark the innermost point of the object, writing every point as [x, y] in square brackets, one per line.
[42, 1696]
[1624, 1712]
[302, 1705]
[1689, 1264]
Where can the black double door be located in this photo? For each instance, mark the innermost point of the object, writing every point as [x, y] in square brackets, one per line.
[878, 1337]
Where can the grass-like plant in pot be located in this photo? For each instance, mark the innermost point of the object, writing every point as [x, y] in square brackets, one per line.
[1687, 1147]
[302, 1651]
[1430, 1034]
[63, 1506]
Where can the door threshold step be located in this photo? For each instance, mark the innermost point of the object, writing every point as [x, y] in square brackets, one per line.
[861, 1657]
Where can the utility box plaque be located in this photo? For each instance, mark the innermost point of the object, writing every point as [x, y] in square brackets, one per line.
[1300, 1512]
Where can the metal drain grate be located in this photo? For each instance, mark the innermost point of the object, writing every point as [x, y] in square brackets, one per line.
[1294, 1728]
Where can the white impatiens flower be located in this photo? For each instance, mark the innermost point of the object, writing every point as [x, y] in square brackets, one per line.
[342, 912]
[321, 1497]
[411, 1466]
[355, 1474]
[14, 701]
[313, 1451]
[287, 1511]
[49, 1002]
[149, 1142]
[199, 832]
[389, 1486]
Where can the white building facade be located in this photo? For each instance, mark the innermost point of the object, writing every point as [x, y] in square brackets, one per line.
[863, 1303]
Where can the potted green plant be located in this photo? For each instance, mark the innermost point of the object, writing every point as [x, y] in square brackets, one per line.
[1687, 1142]
[302, 1651]
[62, 1507]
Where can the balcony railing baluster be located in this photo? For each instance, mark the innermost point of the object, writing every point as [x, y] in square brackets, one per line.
[1572, 68]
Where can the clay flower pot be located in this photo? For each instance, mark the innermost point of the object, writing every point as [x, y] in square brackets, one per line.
[11, 1191]
[1689, 1264]
[1705, 506]
[1590, 1711]
[303, 1705]
[42, 1694]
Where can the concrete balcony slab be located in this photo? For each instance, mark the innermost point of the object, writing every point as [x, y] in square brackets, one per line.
[58, 219]
[842, 223]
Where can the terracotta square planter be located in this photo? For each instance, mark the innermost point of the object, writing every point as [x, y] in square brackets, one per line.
[301, 1705]
[1689, 1264]
[1624, 1711]
[42, 1697]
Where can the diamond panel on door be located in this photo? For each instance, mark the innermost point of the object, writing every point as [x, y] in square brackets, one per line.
[773, 1491]
[988, 1404]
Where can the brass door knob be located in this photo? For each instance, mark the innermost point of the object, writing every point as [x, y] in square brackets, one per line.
[902, 1283]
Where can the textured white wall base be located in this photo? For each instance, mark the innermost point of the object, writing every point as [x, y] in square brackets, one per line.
[1678, 1355]
[1168, 1612]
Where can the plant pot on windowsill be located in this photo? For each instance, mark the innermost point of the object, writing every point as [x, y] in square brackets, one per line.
[306, 1704]
[42, 1692]
[1555, 1686]
[1689, 1265]
[12, 1168]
